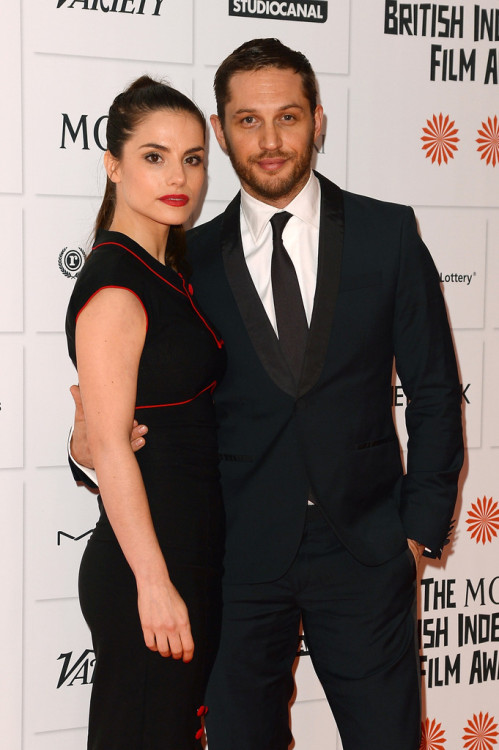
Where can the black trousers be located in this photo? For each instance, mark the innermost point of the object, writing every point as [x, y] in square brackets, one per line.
[359, 625]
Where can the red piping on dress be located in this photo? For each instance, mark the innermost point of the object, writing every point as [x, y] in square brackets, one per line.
[112, 286]
[210, 387]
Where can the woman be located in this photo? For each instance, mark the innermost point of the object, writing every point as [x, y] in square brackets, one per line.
[150, 575]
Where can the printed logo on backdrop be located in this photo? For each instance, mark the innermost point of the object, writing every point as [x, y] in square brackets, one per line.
[400, 399]
[314, 11]
[137, 7]
[432, 735]
[70, 261]
[302, 647]
[466, 641]
[76, 670]
[489, 137]
[483, 521]
[440, 139]
[80, 132]
[457, 278]
[447, 21]
[481, 732]
[64, 535]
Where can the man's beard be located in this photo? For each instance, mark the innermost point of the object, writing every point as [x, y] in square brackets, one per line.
[273, 187]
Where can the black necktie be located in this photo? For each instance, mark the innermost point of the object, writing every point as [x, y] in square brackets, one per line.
[292, 326]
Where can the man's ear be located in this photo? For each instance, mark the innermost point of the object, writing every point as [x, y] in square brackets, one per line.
[318, 115]
[111, 165]
[219, 133]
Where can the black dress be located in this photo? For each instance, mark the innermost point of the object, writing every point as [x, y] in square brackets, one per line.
[141, 700]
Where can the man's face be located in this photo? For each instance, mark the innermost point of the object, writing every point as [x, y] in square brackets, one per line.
[269, 133]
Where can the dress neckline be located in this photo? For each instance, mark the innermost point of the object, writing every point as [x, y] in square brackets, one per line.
[107, 236]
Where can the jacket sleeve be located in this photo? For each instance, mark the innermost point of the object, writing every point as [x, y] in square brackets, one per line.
[426, 365]
[81, 474]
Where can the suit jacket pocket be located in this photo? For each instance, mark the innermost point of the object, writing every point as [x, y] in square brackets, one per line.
[375, 443]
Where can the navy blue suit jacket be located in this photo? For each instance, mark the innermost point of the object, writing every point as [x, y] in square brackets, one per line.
[378, 298]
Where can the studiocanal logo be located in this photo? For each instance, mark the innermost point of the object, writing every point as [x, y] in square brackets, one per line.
[71, 261]
[137, 7]
[314, 11]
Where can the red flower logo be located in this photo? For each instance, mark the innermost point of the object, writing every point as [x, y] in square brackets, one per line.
[440, 139]
[432, 737]
[479, 734]
[483, 520]
[489, 142]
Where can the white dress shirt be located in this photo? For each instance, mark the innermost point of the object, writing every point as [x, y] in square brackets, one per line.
[300, 238]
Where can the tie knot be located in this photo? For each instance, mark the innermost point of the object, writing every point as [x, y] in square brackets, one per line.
[278, 222]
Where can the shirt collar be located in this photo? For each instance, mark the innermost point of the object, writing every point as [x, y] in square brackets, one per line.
[306, 206]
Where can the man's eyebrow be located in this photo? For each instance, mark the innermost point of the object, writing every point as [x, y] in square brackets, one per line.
[252, 110]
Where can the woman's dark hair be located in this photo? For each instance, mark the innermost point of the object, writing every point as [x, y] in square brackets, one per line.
[258, 54]
[141, 98]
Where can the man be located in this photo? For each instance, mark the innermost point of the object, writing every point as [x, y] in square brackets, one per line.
[322, 524]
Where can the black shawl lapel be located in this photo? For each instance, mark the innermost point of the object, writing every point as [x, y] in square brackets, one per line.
[256, 321]
[331, 232]
[260, 330]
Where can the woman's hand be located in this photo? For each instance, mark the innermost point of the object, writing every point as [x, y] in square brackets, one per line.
[417, 550]
[80, 450]
[165, 620]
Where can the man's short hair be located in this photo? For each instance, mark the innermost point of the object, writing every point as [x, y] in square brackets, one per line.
[263, 53]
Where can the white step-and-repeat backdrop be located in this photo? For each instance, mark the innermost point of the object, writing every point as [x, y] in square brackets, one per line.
[410, 91]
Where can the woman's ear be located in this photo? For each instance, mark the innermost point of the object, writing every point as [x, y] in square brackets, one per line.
[111, 165]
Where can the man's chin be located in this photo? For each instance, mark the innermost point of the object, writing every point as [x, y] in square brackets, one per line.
[271, 185]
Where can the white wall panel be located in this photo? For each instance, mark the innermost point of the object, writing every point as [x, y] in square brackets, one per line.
[456, 239]
[120, 29]
[11, 124]
[11, 404]
[11, 266]
[49, 404]
[60, 666]
[11, 611]
[325, 40]
[58, 236]
[392, 99]
[62, 517]
[67, 122]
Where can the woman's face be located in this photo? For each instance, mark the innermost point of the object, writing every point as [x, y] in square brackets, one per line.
[161, 171]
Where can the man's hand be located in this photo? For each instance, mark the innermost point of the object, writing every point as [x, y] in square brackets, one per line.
[79, 443]
[416, 549]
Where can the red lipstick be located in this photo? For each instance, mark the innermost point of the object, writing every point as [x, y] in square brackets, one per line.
[177, 199]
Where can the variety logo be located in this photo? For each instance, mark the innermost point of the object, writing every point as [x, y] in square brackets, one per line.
[432, 736]
[137, 7]
[306, 10]
[440, 139]
[489, 141]
[81, 671]
[71, 261]
[480, 732]
[483, 520]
